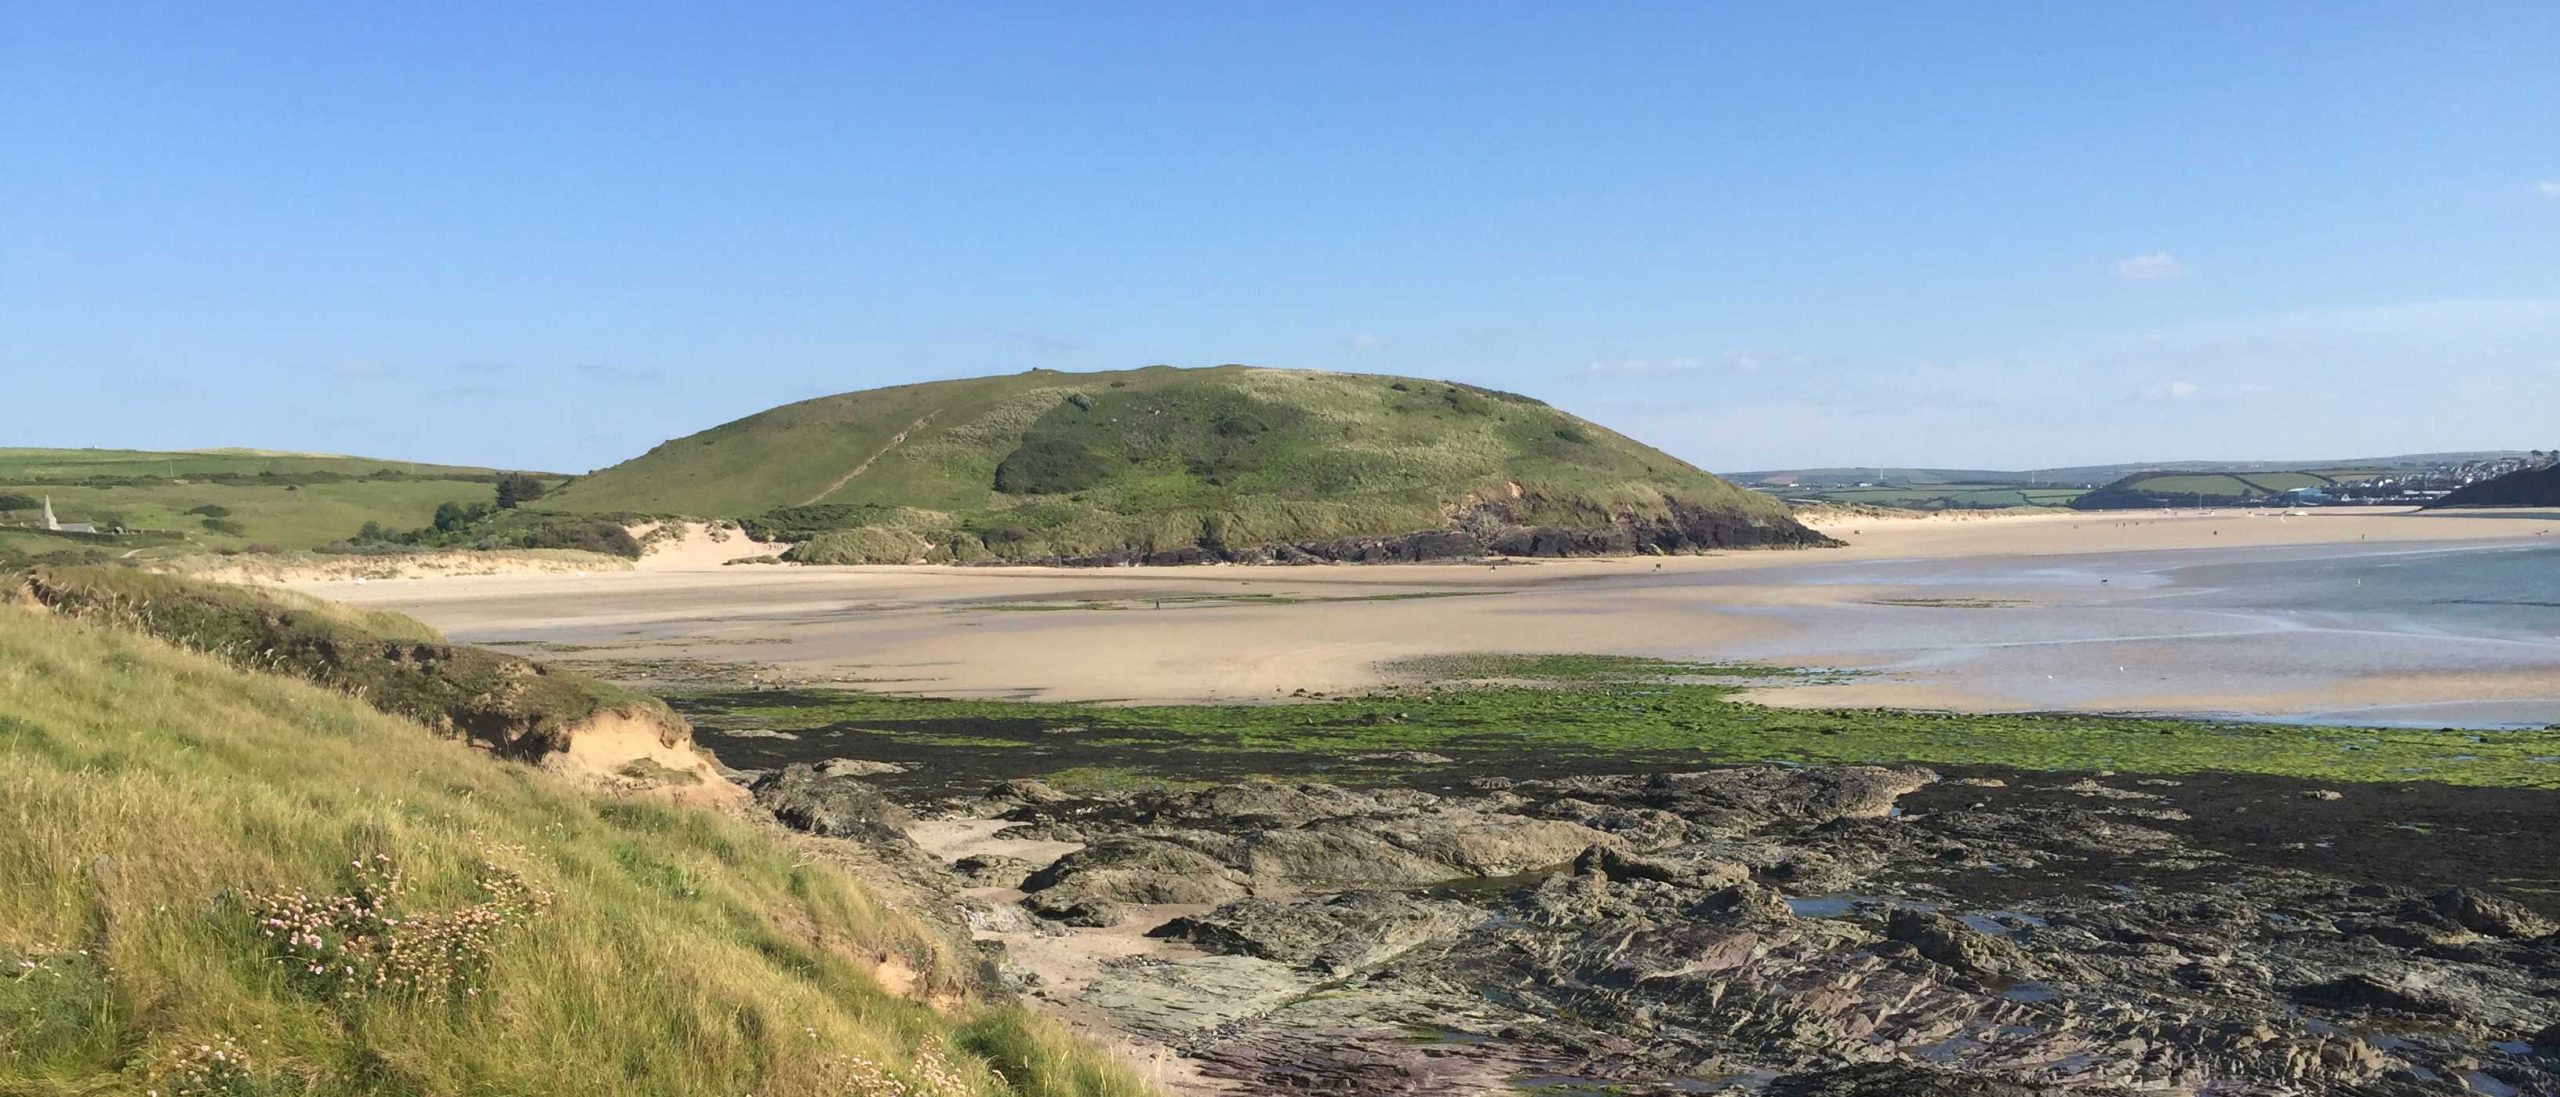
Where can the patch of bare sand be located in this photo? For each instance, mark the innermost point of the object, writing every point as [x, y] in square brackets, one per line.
[953, 839]
[1245, 634]
[1065, 963]
[697, 546]
[2345, 692]
[1885, 693]
[2355, 691]
[636, 754]
[1940, 535]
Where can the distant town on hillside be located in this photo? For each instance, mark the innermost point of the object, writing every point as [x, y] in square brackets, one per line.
[2406, 480]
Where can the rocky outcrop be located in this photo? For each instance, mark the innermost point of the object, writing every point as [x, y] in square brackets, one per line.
[2483, 913]
[1901, 1080]
[831, 807]
[1954, 944]
[1093, 886]
[1347, 933]
[1782, 927]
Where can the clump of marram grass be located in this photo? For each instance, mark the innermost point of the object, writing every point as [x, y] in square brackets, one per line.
[515, 706]
[365, 941]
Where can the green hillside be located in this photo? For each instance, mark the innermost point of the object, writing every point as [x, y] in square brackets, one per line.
[220, 499]
[2150, 490]
[1184, 464]
[222, 883]
[2533, 487]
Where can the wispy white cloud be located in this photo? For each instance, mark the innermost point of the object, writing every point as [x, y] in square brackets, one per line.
[1740, 361]
[2548, 188]
[619, 375]
[2402, 377]
[1644, 367]
[2150, 268]
[2188, 392]
[1366, 341]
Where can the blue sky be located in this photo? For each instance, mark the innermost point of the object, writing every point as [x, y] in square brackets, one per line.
[552, 235]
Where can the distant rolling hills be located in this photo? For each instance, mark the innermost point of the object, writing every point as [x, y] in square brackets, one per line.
[1184, 465]
[2133, 485]
[197, 500]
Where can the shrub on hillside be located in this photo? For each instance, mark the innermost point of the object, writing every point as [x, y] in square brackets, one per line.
[515, 489]
[1466, 402]
[804, 522]
[211, 510]
[1213, 434]
[869, 545]
[10, 500]
[1050, 466]
[603, 536]
[454, 517]
[225, 527]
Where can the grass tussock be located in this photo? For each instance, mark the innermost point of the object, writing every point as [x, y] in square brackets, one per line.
[505, 702]
[183, 844]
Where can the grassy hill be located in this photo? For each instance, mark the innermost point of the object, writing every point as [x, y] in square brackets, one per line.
[2170, 489]
[1177, 464]
[221, 499]
[2536, 487]
[216, 882]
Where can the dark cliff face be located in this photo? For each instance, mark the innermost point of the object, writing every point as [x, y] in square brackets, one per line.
[2529, 488]
[1489, 532]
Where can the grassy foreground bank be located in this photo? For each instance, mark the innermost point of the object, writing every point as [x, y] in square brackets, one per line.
[1585, 708]
[198, 896]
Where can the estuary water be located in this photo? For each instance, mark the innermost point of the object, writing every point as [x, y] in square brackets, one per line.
[2357, 633]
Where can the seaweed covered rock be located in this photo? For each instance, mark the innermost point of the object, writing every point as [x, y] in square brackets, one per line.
[1346, 933]
[1132, 872]
[831, 807]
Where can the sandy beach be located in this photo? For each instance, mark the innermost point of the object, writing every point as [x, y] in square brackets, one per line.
[2060, 612]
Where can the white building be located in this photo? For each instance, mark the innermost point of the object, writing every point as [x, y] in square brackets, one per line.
[63, 527]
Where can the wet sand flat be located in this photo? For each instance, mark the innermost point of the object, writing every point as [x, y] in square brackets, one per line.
[2140, 612]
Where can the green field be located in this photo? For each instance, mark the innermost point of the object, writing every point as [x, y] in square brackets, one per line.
[2174, 489]
[23, 465]
[2245, 485]
[223, 499]
[1942, 496]
[1055, 464]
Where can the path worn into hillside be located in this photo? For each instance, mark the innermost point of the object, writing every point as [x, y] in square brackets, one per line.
[895, 440]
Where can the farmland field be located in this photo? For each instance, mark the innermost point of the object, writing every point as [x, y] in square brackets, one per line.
[222, 499]
[1945, 496]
